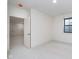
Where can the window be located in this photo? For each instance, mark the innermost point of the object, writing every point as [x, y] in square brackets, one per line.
[68, 25]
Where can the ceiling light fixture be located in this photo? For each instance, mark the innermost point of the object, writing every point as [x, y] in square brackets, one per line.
[20, 5]
[54, 1]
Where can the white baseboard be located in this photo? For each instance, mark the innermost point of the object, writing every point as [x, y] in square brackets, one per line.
[57, 41]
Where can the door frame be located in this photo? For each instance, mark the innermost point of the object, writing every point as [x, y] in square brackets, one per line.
[9, 28]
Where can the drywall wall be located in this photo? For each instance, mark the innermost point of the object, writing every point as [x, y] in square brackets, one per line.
[41, 28]
[58, 29]
[17, 12]
[44, 28]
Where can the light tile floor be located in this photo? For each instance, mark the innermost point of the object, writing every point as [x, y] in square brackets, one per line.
[52, 50]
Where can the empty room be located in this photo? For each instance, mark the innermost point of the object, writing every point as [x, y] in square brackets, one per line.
[39, 29]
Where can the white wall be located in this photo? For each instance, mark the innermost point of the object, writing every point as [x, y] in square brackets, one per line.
[58, 29]
[41, 28]
[17, 12]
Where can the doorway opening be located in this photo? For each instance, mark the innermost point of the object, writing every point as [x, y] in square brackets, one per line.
[16, 32]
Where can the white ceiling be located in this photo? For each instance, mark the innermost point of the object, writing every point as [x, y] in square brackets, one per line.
[46, 6]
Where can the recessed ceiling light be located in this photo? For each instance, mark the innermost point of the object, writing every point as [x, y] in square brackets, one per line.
[54, 1]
